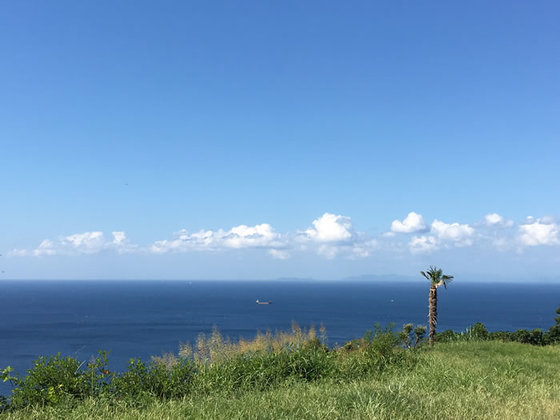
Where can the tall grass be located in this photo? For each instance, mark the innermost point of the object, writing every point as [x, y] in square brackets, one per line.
[458, 380]
[215, 347]
[214, 364]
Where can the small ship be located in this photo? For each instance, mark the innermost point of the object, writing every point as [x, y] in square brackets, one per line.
[263, 302]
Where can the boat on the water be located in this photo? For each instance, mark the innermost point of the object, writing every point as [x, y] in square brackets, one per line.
[263, 302]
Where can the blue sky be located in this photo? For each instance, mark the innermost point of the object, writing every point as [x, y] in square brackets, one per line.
[268, 139]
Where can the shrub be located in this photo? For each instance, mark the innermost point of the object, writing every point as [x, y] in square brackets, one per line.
[534, 337]
[419, 334]
[98, 377]
[478, 332]
[500, 335]
[446, 336]
[50, 381]
[412, 336]
[157, 379]
[553, 334]
[404, 335]
[382, 347]
[133, 382]
[3, 404]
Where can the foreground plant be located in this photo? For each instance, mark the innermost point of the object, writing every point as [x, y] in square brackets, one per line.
[406, 335]
[437, 279]
[216, 365]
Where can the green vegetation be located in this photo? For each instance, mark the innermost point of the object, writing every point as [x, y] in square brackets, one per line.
[384, 374]
[465, 379]
[478, 332]
[215, 365]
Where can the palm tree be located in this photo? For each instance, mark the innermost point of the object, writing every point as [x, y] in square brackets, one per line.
[436, 278]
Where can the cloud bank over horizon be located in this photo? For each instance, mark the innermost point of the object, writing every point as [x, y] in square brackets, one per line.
[86, 243]
[329, 236]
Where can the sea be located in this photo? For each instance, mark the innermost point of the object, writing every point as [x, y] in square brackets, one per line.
[140, 319]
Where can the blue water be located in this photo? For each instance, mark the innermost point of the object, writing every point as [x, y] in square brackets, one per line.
[144, 318]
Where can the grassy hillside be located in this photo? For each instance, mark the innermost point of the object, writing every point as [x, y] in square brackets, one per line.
[468, 379]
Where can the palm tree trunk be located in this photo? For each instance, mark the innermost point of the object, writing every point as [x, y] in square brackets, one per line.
[432, 317]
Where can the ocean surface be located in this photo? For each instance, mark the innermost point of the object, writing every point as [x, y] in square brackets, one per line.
[145, 318]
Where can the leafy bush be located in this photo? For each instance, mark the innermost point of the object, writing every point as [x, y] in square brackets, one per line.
[4, 404]
[534, 337]
[50, 381]
[446, 336]
[412, 336]
[97, 376]
[419, 334]
[478, 332]
[500, 335]
[381, 348]
[552, 336]
[55, 380]
[381, 344]
[157, 379]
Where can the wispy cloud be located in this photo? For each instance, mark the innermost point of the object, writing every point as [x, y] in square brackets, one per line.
[86, 243]
[421, 244]
[238, 237]
[454, 233]
[494, 219]
[439, 234]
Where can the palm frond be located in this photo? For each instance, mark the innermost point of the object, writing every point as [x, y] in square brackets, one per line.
[435, 276]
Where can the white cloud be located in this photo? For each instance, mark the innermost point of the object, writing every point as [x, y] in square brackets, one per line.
[238, 237]
[539, 232]
[333, 235]
[330, 228]
[121, 243]
[329, 236]
[119, 238]
[86, 243]
[363, 249]
[459, 235]
[250, 237]
[420, 244]
[352, 250]
[494, 219]
[279, 254]
[328, 251]
[412, 223]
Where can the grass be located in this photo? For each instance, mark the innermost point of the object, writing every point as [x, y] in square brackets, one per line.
[458, 380]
